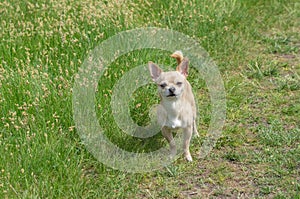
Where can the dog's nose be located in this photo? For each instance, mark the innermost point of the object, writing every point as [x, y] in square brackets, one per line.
[172, 89]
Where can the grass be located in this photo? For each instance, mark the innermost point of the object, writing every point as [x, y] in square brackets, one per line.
[255, 45]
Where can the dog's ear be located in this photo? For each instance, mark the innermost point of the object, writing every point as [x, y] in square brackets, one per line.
[155, 71]
[183, 67]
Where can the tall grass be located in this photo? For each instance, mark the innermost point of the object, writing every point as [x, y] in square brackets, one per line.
[43, 44]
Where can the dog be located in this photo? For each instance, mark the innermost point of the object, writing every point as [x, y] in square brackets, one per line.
[177, 108]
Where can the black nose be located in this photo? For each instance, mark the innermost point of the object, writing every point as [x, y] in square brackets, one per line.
[172, 89]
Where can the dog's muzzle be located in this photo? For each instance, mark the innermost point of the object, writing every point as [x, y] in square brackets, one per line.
[171, 91]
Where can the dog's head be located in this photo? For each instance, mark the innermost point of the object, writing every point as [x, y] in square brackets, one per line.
[171, 84]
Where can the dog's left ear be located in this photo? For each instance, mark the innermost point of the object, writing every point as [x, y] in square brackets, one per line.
[183, 67]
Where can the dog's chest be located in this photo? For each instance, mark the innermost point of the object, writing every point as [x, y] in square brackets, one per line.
[173, 118]
[174, 123]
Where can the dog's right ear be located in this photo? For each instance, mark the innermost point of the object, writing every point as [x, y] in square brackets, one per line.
[155, 71]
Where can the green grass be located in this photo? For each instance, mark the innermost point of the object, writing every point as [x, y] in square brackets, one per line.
[255, 45]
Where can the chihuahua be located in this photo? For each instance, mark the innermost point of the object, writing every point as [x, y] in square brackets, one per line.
[177, 108]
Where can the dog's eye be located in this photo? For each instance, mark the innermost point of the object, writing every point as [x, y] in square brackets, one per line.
[179, 83]
[163, 85]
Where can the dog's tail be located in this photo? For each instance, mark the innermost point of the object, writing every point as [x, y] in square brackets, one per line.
[178, 56]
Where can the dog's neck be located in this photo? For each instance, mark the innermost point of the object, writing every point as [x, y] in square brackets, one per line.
[173, 110]
[173, 107]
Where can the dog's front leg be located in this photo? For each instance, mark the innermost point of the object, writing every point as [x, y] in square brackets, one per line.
[187, 134]
[167, 133]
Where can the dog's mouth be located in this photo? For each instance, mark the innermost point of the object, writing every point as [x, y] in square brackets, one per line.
[171, 95]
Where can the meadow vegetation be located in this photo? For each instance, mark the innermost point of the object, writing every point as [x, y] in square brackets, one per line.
[255, 45]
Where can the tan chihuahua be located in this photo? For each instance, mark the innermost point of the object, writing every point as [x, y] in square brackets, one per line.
[177, 108]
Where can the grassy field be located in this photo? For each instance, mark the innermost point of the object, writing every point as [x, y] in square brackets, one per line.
[255, 45]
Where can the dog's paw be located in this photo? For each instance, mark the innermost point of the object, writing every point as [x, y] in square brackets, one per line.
[188, 157]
